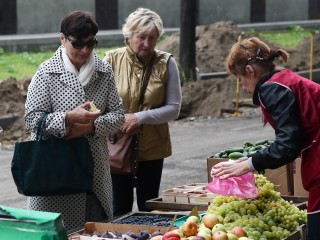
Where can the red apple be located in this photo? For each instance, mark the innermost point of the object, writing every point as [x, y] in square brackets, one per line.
[238, 231]
[220, 235]
[209, 220]
[171, 236]
[189, 228]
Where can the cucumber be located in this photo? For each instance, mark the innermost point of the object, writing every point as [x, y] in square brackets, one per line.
[235, 155]
[261, 142]
[247, 144]
[234, 149]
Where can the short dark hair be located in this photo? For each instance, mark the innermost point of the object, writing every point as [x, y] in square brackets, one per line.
[79, 24]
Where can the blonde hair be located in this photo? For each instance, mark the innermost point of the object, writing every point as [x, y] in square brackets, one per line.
[142, 20]
[252, 51]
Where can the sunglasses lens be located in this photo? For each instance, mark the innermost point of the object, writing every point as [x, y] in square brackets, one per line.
[92, 43]
[78, 44]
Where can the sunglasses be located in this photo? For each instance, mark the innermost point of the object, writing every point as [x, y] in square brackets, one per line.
[79, 43]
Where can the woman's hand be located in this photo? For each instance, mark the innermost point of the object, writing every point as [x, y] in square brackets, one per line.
[80, 121]
[81, 115]
[130, 125]
[230, 169]
[78, 130]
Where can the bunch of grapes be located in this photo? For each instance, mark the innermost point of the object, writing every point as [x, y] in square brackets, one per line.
[266, 217]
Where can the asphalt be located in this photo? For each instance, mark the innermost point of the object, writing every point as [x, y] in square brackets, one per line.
[193, 140]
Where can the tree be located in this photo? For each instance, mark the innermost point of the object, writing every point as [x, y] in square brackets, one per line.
[187, 57]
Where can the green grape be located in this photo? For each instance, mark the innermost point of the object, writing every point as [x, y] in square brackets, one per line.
[266, 217]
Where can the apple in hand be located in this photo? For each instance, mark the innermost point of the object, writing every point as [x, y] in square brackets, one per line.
[209, 220]
[189, 228]
[218, 227]
[238, 231]
[171, 236]
[219, 235]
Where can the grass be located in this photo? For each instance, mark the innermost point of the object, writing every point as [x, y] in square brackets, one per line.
[20, 65]
[286, 39]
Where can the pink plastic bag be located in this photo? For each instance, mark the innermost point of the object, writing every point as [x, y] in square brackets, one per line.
[241, 186]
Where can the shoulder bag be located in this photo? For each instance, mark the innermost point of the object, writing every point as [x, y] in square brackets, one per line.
[52, 167]
[123, 147]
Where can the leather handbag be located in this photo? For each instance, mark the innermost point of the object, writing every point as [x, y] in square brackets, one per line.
[121, 152]
[123, 148]
[52, 167]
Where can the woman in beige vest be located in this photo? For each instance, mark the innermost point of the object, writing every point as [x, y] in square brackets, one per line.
[148, 117]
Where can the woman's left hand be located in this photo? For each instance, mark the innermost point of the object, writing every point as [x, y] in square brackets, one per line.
[79, 129]
[226, 169]
[130, 125]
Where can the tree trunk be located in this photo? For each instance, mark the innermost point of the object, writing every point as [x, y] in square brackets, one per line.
[107, 14]
[187, 56]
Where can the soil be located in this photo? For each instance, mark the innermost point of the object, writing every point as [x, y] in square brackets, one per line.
[202, 98]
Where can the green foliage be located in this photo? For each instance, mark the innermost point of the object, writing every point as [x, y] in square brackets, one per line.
[289, 38]
[25, 64]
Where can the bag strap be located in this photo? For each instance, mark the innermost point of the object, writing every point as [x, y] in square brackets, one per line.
[146, 78]
[134, 152]
[41, 125]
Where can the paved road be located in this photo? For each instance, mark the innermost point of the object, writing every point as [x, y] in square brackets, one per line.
[193, 142]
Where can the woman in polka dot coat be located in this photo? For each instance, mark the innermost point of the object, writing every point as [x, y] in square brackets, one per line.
[64, 86]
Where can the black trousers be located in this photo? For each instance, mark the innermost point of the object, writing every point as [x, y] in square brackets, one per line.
[148, 185]
[313, 225]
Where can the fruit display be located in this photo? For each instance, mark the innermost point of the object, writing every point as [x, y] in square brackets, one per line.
[266, 217]
[246, 149]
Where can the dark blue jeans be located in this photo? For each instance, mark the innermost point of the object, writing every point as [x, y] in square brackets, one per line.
[313, 225]
[148, 185]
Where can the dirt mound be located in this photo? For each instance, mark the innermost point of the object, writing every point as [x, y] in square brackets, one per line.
[209, 98]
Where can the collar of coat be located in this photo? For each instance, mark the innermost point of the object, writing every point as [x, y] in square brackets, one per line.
[56, 65]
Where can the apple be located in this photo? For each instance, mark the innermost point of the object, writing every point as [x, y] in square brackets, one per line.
[231, 236]
[194, 219]
[158, 237]
[202, 227]
[171, 236]
[218, 227]
[219, 235]
[189, 228]
[204, 234]
[198, 238]
[210, 220]
[178, 231]
[239, 231]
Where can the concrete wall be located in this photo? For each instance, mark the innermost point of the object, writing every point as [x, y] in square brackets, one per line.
[286, 10]
[44, 16]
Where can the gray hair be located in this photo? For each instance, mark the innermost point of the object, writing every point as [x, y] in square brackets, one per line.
[142, 20]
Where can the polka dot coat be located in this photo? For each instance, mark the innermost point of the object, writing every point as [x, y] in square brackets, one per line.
[55, 90]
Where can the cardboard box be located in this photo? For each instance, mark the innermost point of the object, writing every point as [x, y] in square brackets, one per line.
[280, 176]
[297, 182]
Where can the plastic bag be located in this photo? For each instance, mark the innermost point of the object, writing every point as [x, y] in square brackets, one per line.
[241, 186]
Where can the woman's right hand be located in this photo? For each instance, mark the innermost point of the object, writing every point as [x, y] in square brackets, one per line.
[80, 121]
[81, 115]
